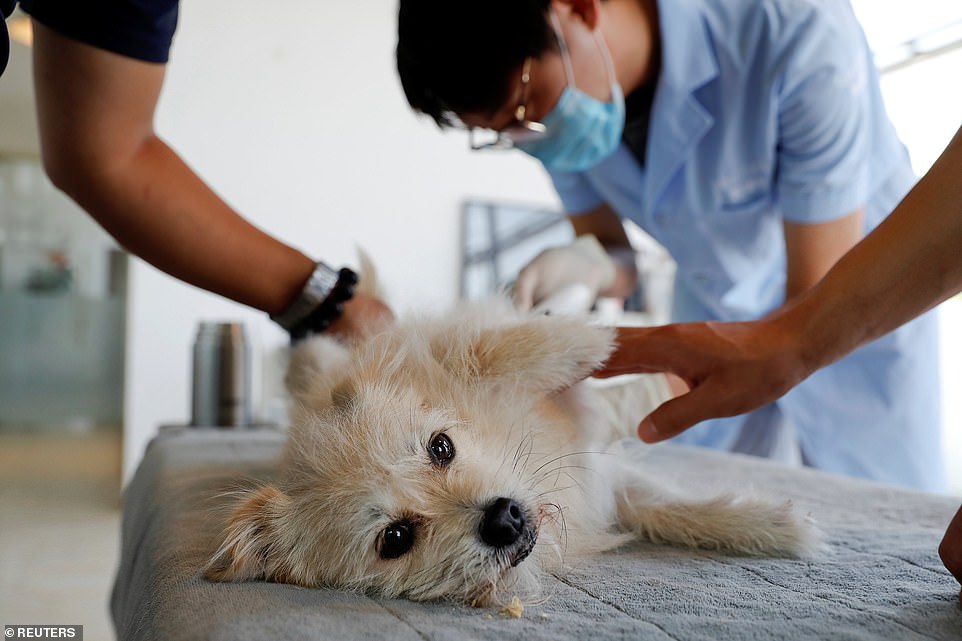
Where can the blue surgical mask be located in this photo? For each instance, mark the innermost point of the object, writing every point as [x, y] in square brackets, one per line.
[580, 131]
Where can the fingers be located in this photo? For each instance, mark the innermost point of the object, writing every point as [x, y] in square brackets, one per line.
[571, 300]
[678, 414]
[551, 271]
[609, 370]
[620, 367]
[637, 352]
[593, 261]
[524, 290]
[648, 432]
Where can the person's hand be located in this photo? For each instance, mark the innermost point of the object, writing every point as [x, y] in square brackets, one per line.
[364, 315]
[950, 550]
[584, 262]
[730, 368]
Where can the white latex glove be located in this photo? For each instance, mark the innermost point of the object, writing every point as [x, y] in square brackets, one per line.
[582, 265]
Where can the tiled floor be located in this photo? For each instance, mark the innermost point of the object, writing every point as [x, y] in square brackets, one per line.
[59, 528]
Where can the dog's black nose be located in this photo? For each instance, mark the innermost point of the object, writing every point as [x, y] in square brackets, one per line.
[502, 524]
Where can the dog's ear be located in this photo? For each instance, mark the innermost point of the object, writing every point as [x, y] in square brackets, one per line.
[317, 365]
[249, 549]
[368, 281]
[542, 353]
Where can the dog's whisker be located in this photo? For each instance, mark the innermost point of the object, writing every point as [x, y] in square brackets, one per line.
[564, 532]
[516, 459]
[503, 458]
[558, 518]
[565, 455]
[554, 490]
[524, 450]
[557, 472]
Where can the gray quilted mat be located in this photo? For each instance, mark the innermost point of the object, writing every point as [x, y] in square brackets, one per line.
[880, 579]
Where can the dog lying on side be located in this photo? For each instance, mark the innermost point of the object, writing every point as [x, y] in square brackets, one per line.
[458, 458]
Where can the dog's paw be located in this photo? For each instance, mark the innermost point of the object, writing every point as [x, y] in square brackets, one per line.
[539, 354]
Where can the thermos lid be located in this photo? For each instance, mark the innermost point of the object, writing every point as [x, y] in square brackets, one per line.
[219, 330]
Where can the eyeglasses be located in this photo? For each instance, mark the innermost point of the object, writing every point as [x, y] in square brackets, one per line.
[520, 130]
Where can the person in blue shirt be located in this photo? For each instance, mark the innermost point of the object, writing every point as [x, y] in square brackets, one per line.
[907, 265]
[98, 72]
[748, 137]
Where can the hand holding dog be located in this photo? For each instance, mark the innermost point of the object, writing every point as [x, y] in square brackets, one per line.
[364, 316]
[583, 262]
[730, 368]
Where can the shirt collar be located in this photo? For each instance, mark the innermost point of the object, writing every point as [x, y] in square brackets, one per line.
[687, 53]
[678, 119]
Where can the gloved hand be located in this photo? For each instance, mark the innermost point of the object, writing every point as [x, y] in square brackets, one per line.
[583, 263]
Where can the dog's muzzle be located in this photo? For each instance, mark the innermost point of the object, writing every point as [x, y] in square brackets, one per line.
[504, 525]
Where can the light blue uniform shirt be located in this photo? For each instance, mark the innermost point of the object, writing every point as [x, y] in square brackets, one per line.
[766, 111]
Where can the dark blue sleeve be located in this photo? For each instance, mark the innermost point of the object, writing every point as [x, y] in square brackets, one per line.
[141, 29]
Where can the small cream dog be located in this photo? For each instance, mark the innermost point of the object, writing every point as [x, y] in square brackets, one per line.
[457, 458]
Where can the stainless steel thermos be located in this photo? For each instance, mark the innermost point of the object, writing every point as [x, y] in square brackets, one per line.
[221, 376]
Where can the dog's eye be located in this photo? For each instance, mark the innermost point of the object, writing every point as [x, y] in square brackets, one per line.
[442, 449]
[396, 539]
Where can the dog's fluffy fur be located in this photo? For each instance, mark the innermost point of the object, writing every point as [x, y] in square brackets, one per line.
[460, 457]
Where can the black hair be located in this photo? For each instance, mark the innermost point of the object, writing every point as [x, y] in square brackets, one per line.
[457, 56]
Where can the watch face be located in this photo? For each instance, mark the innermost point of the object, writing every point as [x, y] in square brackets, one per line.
[322, 280]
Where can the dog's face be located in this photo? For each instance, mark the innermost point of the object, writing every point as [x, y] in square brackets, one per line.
[420, 464]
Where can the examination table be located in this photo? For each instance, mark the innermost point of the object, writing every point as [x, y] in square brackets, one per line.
[880, 577]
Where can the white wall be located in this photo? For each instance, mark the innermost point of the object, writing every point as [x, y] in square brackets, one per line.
[294, 114]
[18, 131]
[296, 118]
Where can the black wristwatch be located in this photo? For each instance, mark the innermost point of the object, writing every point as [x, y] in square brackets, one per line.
[320, 303]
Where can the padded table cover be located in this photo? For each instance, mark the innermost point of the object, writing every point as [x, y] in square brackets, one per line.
[880, 578]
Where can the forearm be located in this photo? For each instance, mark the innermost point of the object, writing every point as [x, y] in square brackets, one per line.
[626, 273]
[812, 249]
[158, 209]
[909, 264]
[95, 111]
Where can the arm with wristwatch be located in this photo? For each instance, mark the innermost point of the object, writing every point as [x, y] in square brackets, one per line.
[112, 163]
[329, 302]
